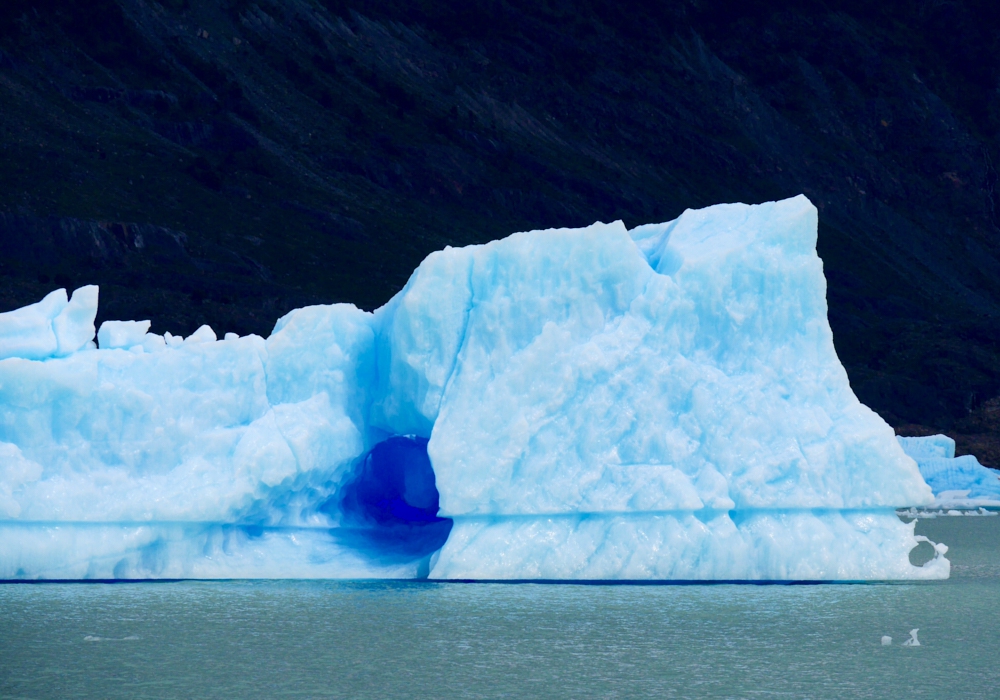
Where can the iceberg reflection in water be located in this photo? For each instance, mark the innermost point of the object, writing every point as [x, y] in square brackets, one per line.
[574, 404]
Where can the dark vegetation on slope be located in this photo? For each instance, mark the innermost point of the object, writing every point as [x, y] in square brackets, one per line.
[224, 161]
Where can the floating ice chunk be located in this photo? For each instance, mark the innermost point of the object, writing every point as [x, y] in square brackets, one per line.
[886, 640]
[74, 326]
[957, 482]
[121, 334]
[912, 641]
[94, 638]
[204, 334]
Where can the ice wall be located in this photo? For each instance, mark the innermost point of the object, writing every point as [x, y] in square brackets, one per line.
[592, 403]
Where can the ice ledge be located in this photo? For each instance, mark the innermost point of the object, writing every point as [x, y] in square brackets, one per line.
[748, 546]
[754, 546]
[142, 551]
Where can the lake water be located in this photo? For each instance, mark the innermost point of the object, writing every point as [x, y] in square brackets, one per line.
[304, 639]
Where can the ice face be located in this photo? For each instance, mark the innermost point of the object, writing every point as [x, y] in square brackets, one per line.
[54, 327]
[957, 482]
[931, 447]
[592, 403]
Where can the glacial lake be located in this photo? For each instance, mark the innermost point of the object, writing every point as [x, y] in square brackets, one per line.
[327, 639]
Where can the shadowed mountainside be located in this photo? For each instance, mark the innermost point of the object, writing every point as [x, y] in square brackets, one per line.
[224, 161]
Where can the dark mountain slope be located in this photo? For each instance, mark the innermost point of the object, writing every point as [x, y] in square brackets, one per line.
[224, 161]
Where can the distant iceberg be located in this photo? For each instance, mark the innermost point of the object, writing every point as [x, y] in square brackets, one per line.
[570, 404]
[957, 482]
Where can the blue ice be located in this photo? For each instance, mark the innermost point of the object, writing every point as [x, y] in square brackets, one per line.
[957, 482]
[595, 403]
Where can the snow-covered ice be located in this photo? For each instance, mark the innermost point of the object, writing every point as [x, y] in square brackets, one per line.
[957, 482]
[595, 403]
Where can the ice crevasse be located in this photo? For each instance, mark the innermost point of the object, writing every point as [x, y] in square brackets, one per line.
[570, 404]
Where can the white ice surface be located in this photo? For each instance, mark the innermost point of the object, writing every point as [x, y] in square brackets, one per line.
[121, 334]
[53, 327]
[664, 403]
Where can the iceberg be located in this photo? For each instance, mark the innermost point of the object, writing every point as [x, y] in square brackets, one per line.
[596, 404]
[957, 482]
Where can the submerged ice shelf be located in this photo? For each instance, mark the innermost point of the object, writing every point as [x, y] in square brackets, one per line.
[596, 403]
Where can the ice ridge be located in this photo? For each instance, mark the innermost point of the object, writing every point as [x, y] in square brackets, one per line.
[595, 403]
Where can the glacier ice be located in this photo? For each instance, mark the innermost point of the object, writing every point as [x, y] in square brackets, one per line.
[595, 403]
[122, 334]
[957, 482]
[54, 327]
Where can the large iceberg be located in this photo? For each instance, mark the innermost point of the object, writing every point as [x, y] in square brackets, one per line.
[595, 403]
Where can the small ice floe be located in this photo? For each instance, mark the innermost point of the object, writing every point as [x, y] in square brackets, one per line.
[926, 513]
[912, 641]
[92, 638]
[886, 640]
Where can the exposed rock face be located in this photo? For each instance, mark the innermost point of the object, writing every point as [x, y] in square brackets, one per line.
[316, 150]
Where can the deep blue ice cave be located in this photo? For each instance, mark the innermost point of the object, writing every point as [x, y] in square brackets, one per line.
[389, 502]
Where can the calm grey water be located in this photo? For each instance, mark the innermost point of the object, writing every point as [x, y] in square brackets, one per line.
[297, 639]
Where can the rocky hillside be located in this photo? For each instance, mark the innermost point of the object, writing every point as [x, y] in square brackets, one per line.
[223, 161]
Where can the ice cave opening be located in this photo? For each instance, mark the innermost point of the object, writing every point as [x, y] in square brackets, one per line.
[389, 502]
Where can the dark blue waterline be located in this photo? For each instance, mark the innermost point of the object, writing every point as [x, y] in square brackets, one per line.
[514, 582]
[116, 581]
